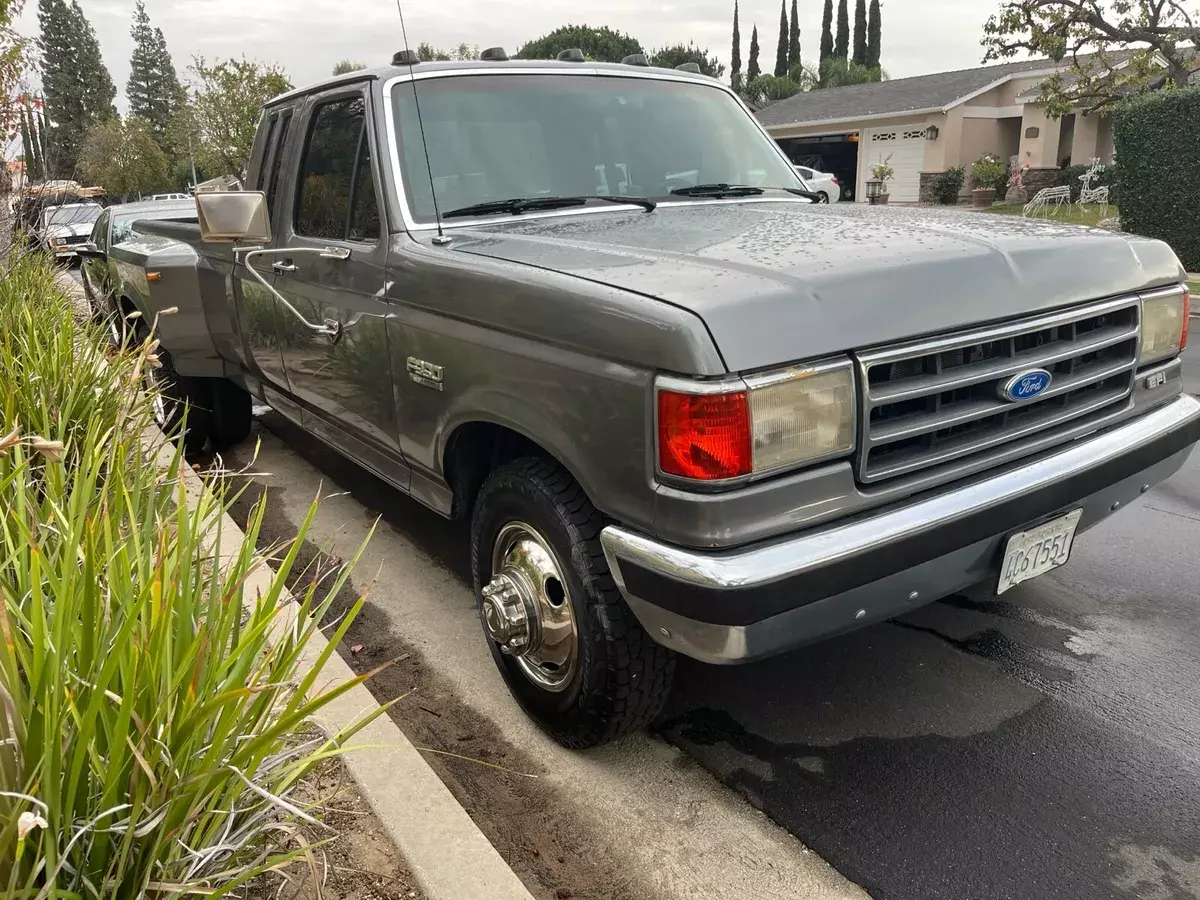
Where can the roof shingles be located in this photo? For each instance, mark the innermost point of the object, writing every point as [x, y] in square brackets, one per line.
[901, 95]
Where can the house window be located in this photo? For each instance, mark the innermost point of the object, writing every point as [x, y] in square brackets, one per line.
[914, 135]
[883, 136]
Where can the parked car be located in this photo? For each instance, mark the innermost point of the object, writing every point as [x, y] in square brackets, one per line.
[105, 268]
[63, 228]
[821, 183]
[681, 418]
[158, 197]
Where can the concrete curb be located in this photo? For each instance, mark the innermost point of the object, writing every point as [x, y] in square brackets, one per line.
[448, 855]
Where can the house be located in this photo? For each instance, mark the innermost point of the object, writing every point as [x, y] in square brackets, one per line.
[931, 123]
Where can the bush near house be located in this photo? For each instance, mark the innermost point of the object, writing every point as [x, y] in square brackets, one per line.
[1158, 163]
[949, 184]
[990, 172]
[150, 715]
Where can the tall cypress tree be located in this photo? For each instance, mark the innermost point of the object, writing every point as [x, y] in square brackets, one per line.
[78, 90]
[873, 35]
[735, 56]
[794, 38]
[827, 32]
[860, 31]
[753, 70]
[153, 89]
[841, 43]
[781, 49]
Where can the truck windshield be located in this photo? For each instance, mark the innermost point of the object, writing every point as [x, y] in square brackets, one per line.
[496, 137]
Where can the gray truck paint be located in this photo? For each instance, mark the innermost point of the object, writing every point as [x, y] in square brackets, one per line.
[554, 326]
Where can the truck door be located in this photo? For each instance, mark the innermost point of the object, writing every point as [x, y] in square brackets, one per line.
[260, 321]
[343, 382]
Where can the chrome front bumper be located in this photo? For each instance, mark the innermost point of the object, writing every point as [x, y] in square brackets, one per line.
[739, 605]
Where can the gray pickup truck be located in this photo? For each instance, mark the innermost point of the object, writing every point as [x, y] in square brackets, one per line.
[593, 308]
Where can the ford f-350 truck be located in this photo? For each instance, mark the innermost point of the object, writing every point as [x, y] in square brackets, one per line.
[593, 308]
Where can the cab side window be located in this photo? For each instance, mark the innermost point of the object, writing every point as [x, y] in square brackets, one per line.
[336, 198]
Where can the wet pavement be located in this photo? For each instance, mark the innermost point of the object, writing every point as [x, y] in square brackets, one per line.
[1046, 745]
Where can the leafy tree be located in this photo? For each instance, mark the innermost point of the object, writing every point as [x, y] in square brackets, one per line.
[1109, 47]
[153, 89]
[841, 43]
[839, 72]
[794, 38]
[767, 89]
[346, 66]
[227, 100]
[827, 32]
[14, 60]
[426, 52]
[753, 70]
[860, 32]
[677, 54]
[599, 44]
[781, 49]
[735, 55]
[124, 157]
[78, 90]
[873, 35]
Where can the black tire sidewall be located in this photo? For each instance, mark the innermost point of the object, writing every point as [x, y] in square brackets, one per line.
[190, 394]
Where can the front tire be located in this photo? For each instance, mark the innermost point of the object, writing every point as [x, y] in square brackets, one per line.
[582, 667]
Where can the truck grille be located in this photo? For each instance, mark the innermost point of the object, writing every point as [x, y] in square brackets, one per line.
[932, 402]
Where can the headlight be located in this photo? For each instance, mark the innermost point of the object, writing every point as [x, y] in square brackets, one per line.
[763, 423]
[1164, 324]
[57, 242]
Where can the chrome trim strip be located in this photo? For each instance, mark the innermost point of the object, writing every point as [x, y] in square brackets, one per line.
[536, 68]
[795, 555]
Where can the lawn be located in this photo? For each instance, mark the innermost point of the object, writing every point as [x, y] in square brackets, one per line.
[1077, 215]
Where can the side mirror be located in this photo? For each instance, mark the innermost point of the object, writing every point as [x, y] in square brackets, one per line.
[227, 216]
[90, 251]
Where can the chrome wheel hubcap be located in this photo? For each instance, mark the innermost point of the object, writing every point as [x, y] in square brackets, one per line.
[526, 609]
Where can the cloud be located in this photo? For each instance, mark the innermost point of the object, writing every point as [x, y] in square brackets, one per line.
[307, 37]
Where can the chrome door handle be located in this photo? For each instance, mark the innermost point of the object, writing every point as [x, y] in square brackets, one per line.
[284, 267]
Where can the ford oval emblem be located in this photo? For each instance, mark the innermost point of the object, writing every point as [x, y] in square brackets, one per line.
[1025, 385]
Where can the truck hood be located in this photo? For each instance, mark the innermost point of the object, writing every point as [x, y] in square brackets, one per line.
[781, 281]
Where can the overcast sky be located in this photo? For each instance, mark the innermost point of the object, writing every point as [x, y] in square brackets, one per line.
[307, 37]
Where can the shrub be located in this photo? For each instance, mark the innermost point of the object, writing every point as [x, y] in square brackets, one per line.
[949, 184]
[148, 739]
[1158, 164]
[990, 172]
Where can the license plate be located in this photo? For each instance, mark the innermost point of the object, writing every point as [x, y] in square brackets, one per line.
[1037, 551]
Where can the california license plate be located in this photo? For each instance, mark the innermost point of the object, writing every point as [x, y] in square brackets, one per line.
[1037, 551]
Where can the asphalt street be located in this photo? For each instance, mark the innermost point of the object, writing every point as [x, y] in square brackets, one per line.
[1043, 745]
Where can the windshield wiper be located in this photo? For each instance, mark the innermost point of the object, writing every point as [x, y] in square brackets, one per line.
[520, 205]
[718, 190]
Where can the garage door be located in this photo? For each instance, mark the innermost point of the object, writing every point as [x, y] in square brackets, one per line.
[906, 147]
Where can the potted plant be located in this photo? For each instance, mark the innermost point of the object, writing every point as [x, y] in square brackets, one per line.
[1016, 185]
[986, 174]
[881, 173]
